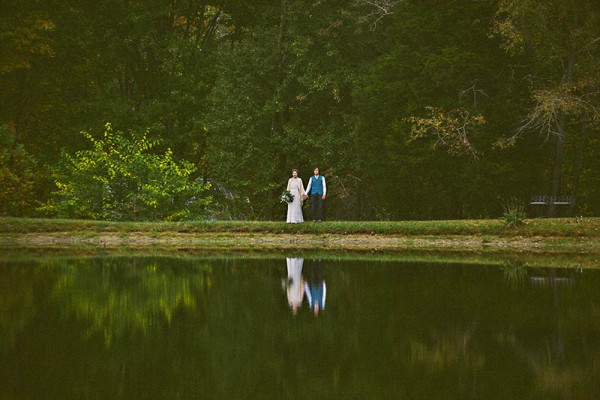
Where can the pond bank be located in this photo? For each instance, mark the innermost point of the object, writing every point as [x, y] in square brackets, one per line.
[544, 236]
[459, 250]
[565, 243]
[243, 240]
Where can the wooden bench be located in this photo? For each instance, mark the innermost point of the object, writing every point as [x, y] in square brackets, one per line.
[540, 203]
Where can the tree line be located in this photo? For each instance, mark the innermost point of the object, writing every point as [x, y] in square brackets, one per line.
[414, 109]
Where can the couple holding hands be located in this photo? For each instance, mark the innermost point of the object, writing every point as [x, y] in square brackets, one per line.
[317, 188]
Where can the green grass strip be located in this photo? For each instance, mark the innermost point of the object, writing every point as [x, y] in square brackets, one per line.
[551, 227]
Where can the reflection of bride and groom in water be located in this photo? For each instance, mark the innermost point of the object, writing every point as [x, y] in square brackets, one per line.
[313, 287]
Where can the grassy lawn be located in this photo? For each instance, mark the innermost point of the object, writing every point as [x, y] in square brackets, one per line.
[556, 227]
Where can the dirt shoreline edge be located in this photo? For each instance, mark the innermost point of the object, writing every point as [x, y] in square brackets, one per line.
[300, 241]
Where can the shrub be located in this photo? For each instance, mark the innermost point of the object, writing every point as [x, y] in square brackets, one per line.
[121, 179]
[514, 212]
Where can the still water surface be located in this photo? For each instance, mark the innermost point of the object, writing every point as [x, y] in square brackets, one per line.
[232, 328]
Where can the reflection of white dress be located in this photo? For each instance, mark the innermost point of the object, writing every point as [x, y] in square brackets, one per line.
[294, 213]
[295, 287]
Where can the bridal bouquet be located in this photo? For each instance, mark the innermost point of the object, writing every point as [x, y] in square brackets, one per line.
[286, 197]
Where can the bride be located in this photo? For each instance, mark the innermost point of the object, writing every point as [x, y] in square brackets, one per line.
[296, 188]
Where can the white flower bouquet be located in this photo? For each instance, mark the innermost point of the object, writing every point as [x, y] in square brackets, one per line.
[286, 197]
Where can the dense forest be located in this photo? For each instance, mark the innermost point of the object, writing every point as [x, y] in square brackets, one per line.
[190, 109]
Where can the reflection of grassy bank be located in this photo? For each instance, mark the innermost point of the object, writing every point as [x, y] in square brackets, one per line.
[484, 257]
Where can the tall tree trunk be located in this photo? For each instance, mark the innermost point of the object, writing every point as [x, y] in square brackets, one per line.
[559, 149]
[277, 118]
[578, 168]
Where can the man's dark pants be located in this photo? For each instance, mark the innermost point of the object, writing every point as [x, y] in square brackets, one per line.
[316, 206]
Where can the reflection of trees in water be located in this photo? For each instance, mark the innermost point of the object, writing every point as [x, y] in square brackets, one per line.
[554, 356]
[448, 350]
[119, 297]
[453, 355]
[495, 338]
[142, 310]
[392, 332]
[17, 284]
[547, 363]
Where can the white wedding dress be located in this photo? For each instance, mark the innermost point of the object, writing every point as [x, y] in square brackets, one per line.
[294, 213]
[295, 282]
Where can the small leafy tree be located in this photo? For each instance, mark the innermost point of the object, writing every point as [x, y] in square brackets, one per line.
[120, 179]
[17, 172]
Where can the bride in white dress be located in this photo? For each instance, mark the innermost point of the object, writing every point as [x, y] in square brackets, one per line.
[295, 283]
[296, 188]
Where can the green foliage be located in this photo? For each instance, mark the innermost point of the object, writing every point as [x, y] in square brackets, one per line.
[17, 175]
[283, 100]
[558, 41]
[246, 91]
[120, 179]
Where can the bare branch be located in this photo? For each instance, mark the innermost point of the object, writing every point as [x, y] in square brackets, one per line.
[550, 109]
[381, 9]
[589, 44]
[472, 90]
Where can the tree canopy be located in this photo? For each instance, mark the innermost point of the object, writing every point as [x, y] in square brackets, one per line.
[415, 109]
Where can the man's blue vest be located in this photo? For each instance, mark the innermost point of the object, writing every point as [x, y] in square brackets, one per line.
[316, 185]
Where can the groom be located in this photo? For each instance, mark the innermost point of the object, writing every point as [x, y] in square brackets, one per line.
[318, 191]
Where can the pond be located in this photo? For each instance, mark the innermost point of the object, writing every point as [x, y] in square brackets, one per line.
[295, 327]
